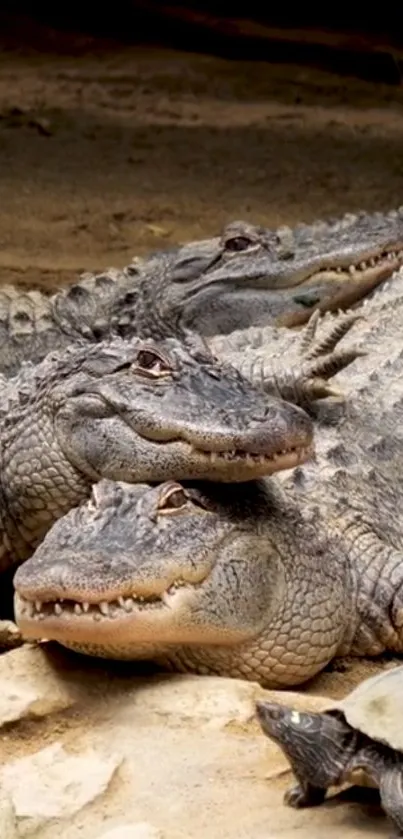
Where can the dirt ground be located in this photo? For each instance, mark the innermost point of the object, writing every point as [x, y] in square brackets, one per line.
[107, 154]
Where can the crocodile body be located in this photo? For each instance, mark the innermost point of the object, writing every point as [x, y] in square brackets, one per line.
[249, 276]
[268, 581]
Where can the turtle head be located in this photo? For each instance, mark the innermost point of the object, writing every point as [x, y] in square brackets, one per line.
[282, 723]
[318, 745]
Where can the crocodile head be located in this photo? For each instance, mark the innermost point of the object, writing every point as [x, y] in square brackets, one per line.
[136, 571]
[252, 275]
[147, 410]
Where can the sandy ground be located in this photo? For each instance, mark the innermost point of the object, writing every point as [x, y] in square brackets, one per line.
[108, 154]
[189, 756]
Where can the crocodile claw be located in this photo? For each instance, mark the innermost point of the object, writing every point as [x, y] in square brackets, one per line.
[303, 379]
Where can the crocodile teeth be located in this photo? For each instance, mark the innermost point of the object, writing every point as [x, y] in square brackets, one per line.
[248, 457]
[39, 610]
[371, 262]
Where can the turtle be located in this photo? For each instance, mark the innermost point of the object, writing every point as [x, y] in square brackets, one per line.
[357, 740]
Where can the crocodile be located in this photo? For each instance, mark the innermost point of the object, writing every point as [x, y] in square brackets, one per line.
[269, 580]
[132, 410]
[146, 410]
[71, 406]
[247, 276]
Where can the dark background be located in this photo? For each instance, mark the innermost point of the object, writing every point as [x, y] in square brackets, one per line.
[366, 42]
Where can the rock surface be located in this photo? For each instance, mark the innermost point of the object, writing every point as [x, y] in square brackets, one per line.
[52, 784]
[30, 686]
[95, 751]
[141, 830]
[8, 824]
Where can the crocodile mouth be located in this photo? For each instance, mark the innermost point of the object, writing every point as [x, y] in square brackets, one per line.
[282, 441]
[130, 618]
[347, 285]
[109, 609]
[381, 259]
[369, 262]
[262, 464]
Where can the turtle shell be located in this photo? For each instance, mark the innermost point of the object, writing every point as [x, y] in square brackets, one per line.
[375, 707]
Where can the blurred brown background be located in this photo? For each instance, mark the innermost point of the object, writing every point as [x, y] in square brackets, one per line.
[133, 127]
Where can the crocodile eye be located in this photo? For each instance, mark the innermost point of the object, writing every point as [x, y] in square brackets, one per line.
[239, 243]
[151, 364]
[173, 499]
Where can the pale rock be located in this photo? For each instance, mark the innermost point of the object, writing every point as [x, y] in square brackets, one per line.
[214, 702]
[53, 784]
[8, 826]
[30, 687]
[137, 830]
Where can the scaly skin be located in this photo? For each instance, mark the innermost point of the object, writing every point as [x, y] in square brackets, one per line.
[197, 583]
[240, 585]
[302, 379]
[293, 368]
[267, 584]
[250, 276]
[212, 410]
[135, 411]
